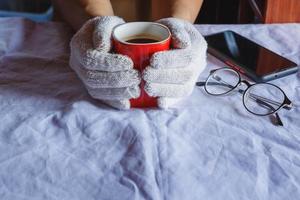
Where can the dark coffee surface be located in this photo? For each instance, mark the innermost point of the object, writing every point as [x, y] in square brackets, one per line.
[141, 40]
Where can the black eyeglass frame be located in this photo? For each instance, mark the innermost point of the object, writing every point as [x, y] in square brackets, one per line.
[286, 104]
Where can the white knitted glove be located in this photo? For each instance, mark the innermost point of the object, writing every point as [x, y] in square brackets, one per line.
[107, 76]
[172, 74]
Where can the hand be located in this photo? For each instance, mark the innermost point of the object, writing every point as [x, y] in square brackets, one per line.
[172, 74]
[106, 76]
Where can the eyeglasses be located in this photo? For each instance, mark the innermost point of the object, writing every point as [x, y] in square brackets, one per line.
[260, 99]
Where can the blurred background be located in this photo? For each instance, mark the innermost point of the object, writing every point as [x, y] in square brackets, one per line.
[37, 10]
[249, 11]
[212, 12]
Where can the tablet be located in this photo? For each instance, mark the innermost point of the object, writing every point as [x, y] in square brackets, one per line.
[249, 58]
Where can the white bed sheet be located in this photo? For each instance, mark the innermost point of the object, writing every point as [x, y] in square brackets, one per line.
[58, 143]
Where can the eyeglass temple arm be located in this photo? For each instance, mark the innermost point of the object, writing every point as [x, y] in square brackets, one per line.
[201, 83]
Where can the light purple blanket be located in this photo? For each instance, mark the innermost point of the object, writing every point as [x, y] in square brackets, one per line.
[57, 143]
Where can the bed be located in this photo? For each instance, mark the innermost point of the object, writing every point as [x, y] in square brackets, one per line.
[57, 143]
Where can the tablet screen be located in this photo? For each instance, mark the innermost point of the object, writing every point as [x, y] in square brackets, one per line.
[247, 53]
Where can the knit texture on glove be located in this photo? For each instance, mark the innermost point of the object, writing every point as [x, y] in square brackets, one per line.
[172, 74]
[107, 76]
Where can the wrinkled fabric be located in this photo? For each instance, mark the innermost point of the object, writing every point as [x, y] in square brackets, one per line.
[56, 142]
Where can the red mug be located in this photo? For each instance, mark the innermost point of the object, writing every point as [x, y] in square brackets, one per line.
[139, 41]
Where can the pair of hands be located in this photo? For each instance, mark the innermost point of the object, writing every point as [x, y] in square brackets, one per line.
[111, 77]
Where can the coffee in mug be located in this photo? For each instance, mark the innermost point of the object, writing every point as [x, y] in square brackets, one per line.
[142, 39]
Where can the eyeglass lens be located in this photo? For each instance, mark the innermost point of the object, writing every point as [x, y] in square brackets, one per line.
[263, 99]
[222, 81]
